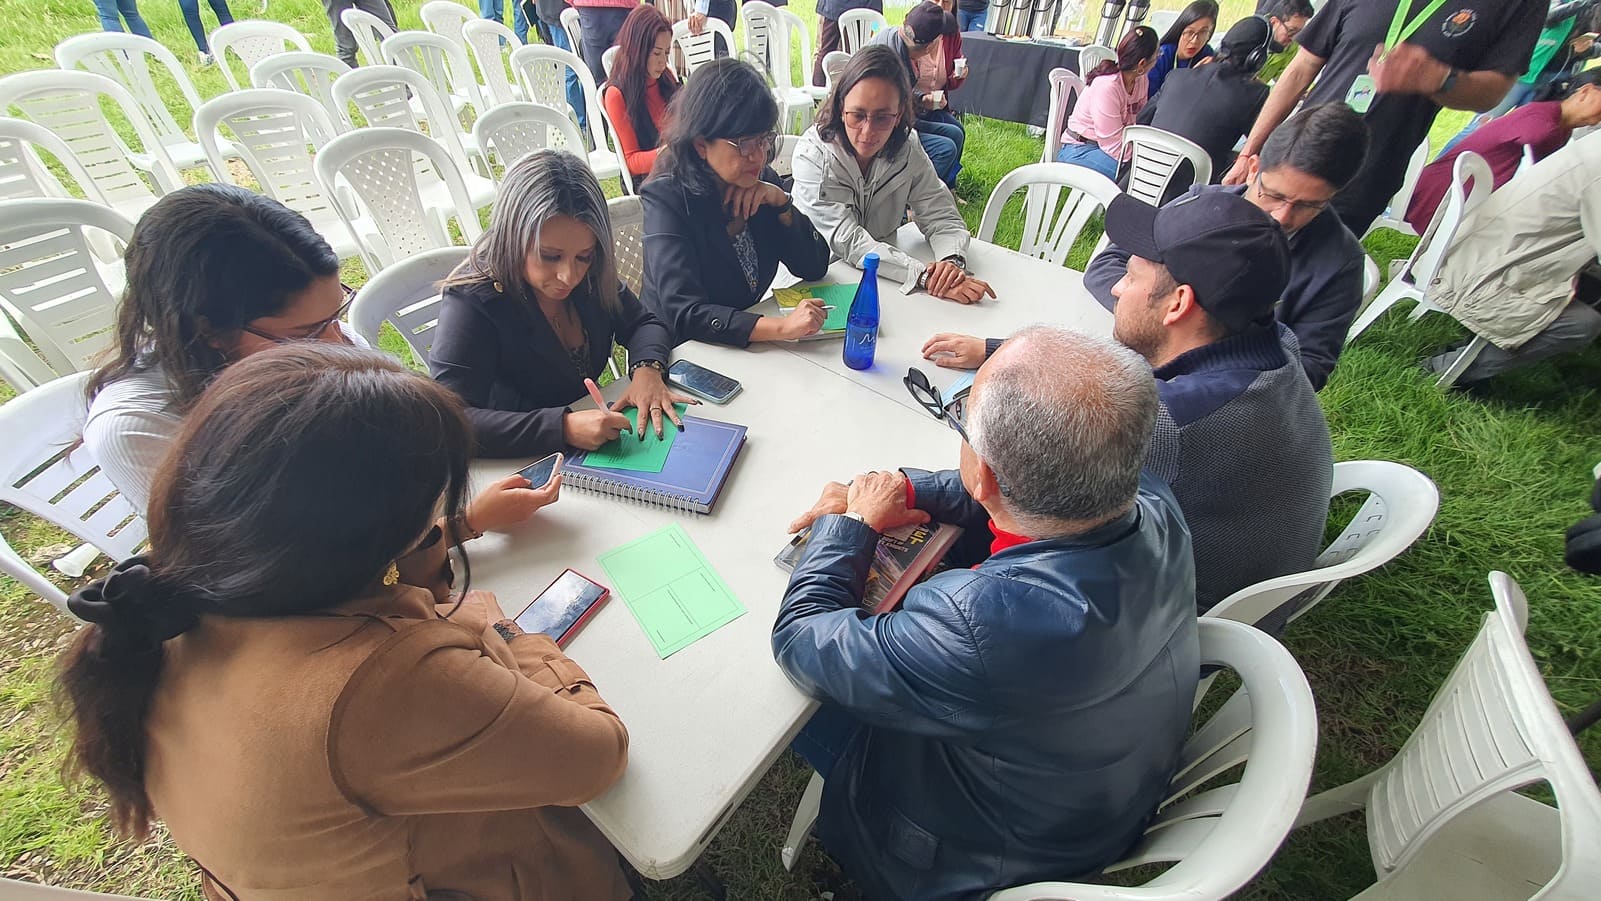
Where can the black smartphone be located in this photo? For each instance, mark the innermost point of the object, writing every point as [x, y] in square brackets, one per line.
[702, 382]
[540, 472]
[563, 607]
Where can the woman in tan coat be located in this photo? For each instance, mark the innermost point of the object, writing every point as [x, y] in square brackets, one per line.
[305, 723]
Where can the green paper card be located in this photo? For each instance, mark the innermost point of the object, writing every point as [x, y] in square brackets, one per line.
[674, 594]
[627, 452]
[837, 296]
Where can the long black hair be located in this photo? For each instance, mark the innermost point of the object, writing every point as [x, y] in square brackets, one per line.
[1195, 12]
[635, 43]
[297, 478]
[203, 263]
[872, 61]
[726, 99]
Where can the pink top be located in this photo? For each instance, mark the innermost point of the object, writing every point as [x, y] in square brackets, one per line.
[1104, 109]
[1500, 142]
[930, 70]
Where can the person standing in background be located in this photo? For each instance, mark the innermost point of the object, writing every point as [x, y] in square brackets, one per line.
[973, 14]
[828, 13]
[113, 12]
[1287, 18]
[344, 41]
[495, 11]
[546, 16]
[601, 20]
[197, 28]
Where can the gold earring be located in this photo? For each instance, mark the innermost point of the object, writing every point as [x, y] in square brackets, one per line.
[392, 574]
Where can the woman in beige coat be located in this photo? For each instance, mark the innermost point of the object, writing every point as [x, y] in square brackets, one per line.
[305, 723]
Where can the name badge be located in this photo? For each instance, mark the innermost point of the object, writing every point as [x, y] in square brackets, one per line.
[1362, 92]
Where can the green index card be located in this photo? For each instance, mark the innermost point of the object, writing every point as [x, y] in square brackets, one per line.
[647, 454]
[837, 296]
[674, 594]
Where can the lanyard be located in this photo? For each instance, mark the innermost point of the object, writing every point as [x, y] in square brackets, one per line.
[1398, 31]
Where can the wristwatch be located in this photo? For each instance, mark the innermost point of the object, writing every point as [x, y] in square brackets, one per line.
[922, 279]
[852, 514]
[959, 260]
[1450, 81]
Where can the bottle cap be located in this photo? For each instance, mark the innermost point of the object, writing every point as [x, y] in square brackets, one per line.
[870, 261]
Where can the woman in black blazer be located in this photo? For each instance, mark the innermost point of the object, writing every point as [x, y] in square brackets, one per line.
[716, 222]
[532, 313]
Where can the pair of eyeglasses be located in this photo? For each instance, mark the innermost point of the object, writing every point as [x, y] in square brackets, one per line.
[1300, 206]
[952, 413]
[879, 121]
[755, 145]
[312, 332]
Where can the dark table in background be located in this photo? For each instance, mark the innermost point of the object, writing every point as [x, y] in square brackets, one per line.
[1009, 80]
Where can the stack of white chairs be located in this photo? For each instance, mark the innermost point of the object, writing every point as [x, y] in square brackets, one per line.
[542, 73]
[490, 43]
[312, 74]
[767, 40]
[383, 96]
[252, 40]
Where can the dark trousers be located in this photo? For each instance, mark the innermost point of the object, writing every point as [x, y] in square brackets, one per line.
[197, 28]
[601, 24]
[344, 41]
[827, 42]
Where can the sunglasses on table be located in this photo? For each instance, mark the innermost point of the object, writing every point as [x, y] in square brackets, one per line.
[313, 331]
[951, 412]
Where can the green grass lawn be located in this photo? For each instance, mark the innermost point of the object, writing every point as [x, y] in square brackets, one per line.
[1512, 463]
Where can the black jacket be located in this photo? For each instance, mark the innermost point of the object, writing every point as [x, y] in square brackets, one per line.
[692, 277]
[505, 361]
[1213, 105]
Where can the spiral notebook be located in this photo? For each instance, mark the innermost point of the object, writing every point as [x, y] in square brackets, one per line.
[697, 466]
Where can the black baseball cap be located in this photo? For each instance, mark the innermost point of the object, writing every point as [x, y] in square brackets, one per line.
[927, 21]
[1232, 254]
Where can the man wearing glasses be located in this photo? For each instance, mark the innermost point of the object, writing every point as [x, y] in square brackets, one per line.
[1019, 716]
[1286, 18]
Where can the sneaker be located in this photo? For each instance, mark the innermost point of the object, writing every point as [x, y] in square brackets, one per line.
[207, 59]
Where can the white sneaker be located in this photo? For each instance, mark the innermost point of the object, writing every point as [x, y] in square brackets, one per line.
[207, 59]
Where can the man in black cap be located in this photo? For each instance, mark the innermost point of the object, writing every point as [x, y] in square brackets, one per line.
[1240, 436]
[922, 46]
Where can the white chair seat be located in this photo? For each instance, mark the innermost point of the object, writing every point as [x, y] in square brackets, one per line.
[1507, 847]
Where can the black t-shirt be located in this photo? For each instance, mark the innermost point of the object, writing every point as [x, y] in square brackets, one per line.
[1213, 105]
[1470, 35]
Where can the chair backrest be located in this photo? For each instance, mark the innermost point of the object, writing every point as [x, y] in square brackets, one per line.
[1401, 504]
[834, 63]
[125, 59]
[381, 167]
[1051, 222]
[1471, 183]
[21, 367]
[369, 31]
[312, 74]
[24, 174]
[700, 49]
[574, 27]
[627, 216]
[797, 28]
[784, 154]
[512, 130]
[1491, 728]
[542, 73]
[857, 27]
[252, 40]
[446, 18]
[764, 30]
[609, 59]
[1092, 55]
[1527, 161]
[488, 42]
[1162, 20]
[1409, 183]
[383, 96]
[1156, 159]
[1065, 86]
[672, 10]
[69, 105]
[44, 471]
[1220, 838]
[441, 61]
[1370, 278]
[49, 278]
[407, 296]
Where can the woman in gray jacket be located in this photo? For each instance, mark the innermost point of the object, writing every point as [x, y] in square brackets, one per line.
[856, 173]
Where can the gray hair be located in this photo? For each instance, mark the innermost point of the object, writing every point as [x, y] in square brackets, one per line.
[537, 188]
[1065, 422]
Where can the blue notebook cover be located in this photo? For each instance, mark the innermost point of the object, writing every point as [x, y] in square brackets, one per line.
[693, 476]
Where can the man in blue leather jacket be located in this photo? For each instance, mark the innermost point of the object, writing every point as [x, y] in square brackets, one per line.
[1018, 720]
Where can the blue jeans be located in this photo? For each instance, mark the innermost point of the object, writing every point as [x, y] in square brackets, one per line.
[941, 126]
[197, 28]
[1089, 156]
[972, 21]
[110, 10]
[1520, 95]
[575, 92]
[494, 12]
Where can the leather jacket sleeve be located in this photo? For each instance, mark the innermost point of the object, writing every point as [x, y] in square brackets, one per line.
[943, 497]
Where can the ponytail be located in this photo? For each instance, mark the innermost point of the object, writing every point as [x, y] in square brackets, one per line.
[1136, 47]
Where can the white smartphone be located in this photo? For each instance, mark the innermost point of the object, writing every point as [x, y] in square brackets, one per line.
[540, 472]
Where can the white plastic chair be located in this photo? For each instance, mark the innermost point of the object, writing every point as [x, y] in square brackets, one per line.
[69, 105]
[252, 40]
[1444, 819]
[1092, 55]
[784, 154]
[14, 890]
[714, 41]
[447, 18]
[1370, 278]
[125, 59]
[609, 59]
[277, 133]
[1065, 85]
[312, 74]
[488, 43]
[1400, 506]
[574, 27]
[542, 73]
[1411, 279]
[834, 63]
[369, 31]
[384, 96]
[627, 215]
[763, 30]
[407, 296]
[1156, 159]
[1527, 161]
[1162, 19]
[44, 473]
[857, 27]
[767, 40]
[1051, 222]
[803, 31]
[512, 130]
[440, 60]
[384, 168]
[51, 280]
[1220, 838]
[20, 366]
[23, 173]
[1393, 213]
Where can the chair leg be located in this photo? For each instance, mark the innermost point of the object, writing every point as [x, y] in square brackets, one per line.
[1461, 363]
[805, 817]
[1351, 796]
[14, 566]
[76, 562]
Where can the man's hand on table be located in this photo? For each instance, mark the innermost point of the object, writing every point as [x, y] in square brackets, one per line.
[954, 351]
[831, 501]
[947, 280]
[879, 498]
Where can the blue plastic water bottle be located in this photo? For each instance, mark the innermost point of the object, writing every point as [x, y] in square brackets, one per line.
[861, 325]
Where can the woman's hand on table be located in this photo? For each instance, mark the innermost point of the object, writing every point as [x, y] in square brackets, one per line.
[589, 429]
[742, 203]
[954, 351]
[510, 501]
[831, 501]
[648, 393]
[806, 319]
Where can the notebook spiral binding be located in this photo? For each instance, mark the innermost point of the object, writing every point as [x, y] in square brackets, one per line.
[632, 493]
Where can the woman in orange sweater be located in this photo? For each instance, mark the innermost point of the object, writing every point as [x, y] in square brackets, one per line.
[641, 86]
